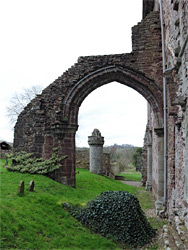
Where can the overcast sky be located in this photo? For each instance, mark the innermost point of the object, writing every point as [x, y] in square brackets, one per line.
[40, 39]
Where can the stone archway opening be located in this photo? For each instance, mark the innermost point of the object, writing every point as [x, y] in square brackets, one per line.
[118, 111]
[128, 77]
[59, 127]
[51, 119]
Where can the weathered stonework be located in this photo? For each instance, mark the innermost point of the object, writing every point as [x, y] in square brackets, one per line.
[176, 48]
[51, 119]
[96, 142]
[144, 165]
[107, 167]
[82, 158]
[21, 187]
[82, 161]
[175, 22]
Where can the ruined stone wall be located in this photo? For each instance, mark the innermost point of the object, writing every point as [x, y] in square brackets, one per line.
[82, 158]
[144, 164]
[176, 32]
[82, 161]
[171, 161]
[148, 6]
[154, 157]
[151, 143]
[46, 109]
[50, 120]
[175, 22]
[147, 46]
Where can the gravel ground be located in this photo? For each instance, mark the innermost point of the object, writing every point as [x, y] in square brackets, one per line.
[132, 183]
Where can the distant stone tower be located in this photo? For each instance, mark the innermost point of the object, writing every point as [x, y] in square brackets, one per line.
[96, 142]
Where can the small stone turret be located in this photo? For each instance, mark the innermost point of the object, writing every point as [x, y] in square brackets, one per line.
[96, 142]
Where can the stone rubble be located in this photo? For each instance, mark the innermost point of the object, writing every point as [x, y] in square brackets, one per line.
[175, 234]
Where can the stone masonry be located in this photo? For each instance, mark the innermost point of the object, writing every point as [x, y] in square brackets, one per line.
[96, 142]
[176, 43]
[175, 23]
[51, 119]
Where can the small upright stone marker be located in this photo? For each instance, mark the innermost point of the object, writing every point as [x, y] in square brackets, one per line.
[96, 142]
[21, 187]
[31, 186]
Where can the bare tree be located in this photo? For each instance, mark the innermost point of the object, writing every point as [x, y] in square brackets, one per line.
[19, 101]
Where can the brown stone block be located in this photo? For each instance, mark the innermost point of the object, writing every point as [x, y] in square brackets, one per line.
[48, 139]
[47, 148]
[71, 181]
[21, 188]
[68, 165]
[47, 155]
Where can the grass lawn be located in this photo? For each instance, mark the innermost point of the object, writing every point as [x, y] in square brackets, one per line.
[130, 176]
[36, 220]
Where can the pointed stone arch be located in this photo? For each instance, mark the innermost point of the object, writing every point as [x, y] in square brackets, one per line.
[59, 127]
[51, 119]
[126, 76]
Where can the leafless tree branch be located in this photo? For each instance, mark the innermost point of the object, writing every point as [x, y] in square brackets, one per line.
[19, 101]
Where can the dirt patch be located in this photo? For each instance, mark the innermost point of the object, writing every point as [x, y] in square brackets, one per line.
[132, 183]
[150, 213]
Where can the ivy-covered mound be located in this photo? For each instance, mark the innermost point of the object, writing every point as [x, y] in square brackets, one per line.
[116, 214]
[25, 163]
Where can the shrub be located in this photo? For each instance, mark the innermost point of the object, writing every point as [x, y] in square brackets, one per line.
[116, 214]
[137, 159]
[25, 163]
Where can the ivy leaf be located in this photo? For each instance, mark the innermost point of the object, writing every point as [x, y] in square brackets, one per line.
[116, 214]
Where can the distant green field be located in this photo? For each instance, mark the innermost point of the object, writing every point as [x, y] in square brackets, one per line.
[36, 220]
[132, 170]
[132, 176]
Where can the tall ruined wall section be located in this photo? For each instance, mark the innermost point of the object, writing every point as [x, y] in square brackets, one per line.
[45, 111]
[48, 121]
[176, 34]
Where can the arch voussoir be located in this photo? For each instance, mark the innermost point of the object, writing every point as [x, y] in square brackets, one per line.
[138, 81]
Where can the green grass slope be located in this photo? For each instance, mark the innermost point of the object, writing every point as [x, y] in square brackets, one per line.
[36, 220]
